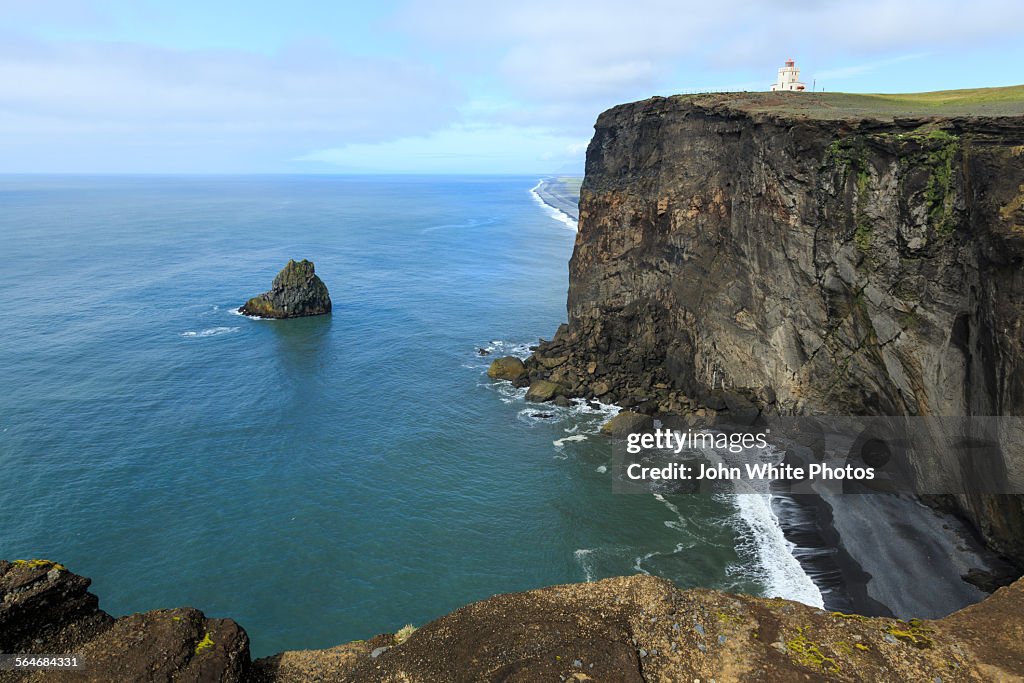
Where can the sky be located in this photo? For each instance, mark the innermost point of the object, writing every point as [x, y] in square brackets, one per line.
[436, 86]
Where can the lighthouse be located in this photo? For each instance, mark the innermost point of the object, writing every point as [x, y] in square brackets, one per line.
[789, 78]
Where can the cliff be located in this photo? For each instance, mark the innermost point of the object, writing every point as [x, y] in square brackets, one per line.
[806, 254]
[636, 628]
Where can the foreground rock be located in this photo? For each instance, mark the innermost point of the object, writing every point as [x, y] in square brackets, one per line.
[296, 292]
[643, 629]
[46, 609]
[628, 629]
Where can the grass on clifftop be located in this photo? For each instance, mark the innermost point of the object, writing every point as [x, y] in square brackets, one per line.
[1006, 101]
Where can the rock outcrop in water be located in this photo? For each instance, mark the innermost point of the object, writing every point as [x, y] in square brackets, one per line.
[635, 628]
[811, 254]
[296, 292]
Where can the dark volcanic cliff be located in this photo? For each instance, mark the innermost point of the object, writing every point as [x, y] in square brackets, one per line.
[812, 256]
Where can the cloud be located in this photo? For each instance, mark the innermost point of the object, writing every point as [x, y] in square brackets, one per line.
[14, 13]
[461, 148]
[116, 93]
[595, 51]
[865, 68]
[536, 71]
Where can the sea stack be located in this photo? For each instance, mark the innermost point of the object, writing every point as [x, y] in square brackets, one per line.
[295, 292]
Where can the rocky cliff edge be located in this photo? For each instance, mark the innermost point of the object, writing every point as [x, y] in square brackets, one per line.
[635, 628]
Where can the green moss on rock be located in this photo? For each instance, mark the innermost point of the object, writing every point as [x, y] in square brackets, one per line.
[809, 654]
[205, 644]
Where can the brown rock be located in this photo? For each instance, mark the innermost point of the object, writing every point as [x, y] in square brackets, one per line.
[627, 629]
[626, 423]
[551, 363]
[542, 390]
[641, 628]
[507, 367]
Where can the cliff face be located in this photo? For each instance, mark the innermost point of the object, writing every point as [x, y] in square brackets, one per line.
[813, 260]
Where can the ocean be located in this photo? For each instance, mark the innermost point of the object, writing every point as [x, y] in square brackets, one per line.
[322, 479]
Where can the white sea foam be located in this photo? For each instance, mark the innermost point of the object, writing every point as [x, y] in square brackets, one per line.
[585, 560]
[777, 568]
[580, 412]
[763, 537]
[235, 311]
[782, 574]
[680, 523]
[557, 214]
[566, 439]
[209, 332]
[638, 561]
[505, 390]
[498, 347]
[471, 223]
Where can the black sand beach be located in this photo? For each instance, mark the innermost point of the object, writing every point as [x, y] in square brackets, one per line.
[561, 194]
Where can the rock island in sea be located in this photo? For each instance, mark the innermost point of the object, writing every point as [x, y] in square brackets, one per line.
[296, 292]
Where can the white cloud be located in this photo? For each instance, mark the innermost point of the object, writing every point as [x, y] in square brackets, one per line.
[596, 51]
[537, 70]
[864, 68]
[54, 12]
[112, 93]
[96, 86]
[460, 149]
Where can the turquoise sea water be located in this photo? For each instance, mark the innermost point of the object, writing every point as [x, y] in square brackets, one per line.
[322, 479]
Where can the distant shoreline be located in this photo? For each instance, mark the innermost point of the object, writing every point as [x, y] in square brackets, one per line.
[561, 197]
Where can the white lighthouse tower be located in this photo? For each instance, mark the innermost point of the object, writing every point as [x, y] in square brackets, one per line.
[789, 78]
